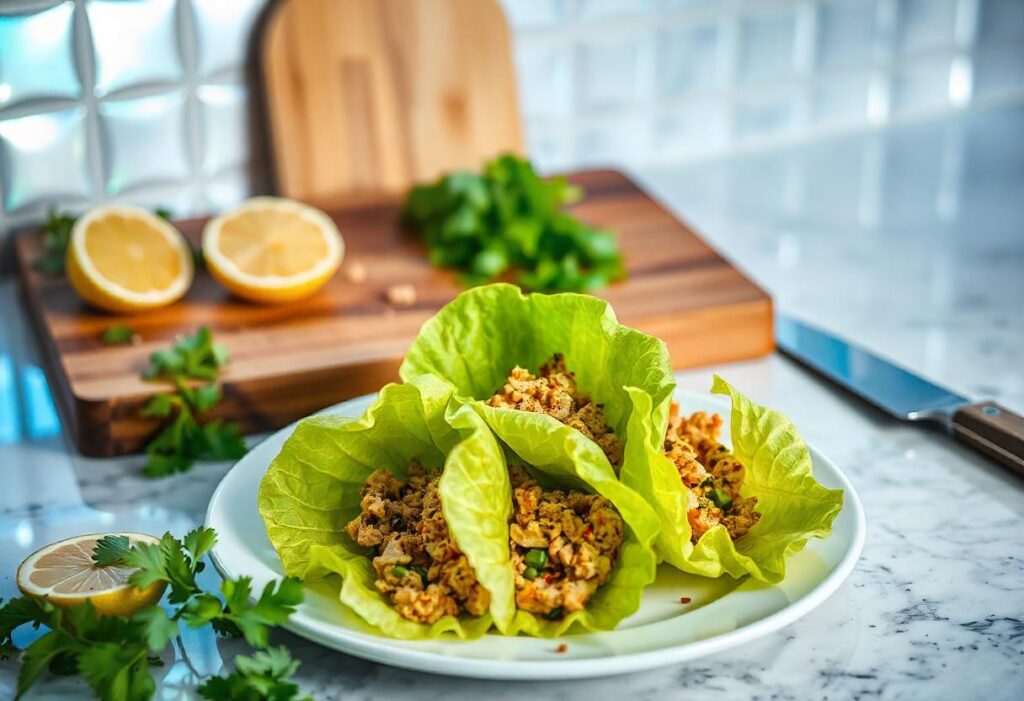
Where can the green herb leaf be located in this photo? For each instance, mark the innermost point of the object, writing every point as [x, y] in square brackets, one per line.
[117, 335]
[110, 549]
[264, 675]
[509, 222]
[194, 357]
[56, 237]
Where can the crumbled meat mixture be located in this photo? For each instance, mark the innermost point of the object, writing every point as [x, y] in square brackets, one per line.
[563, 546]
[554, 392]
[711, 473]
[419, 567]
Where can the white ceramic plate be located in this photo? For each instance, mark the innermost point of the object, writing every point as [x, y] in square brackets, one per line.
[722, 613]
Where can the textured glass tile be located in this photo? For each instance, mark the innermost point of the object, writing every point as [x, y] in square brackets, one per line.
[601, 9]
[846, 33]
[548, 149]
[999, 69]
[698, 127]
[225, 126]
[543, 72]
[144, 140]
[688, 59]
[925, 24]
[227, 190]
[177, 198]
[622, 140]
[533, 13]
[922, 86]
[1001, 20]
[613, 73]
[224, 32]
[766, 47]
[758, 118]
[43, 158]
[36, 57]
[134, 42]
[841, 100]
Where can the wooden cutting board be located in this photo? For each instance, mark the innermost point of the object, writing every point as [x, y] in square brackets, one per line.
[289, 361]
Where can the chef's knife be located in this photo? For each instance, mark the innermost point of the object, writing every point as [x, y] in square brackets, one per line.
[985, 426]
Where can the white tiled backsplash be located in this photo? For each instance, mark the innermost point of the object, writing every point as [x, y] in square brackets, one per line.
[147, 100]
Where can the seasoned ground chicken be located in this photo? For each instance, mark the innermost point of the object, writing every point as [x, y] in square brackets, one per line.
[419, 567]
[711, 473]
[563, 546]
[553, 392]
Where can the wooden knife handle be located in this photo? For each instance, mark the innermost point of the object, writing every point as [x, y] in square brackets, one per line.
[994, 430]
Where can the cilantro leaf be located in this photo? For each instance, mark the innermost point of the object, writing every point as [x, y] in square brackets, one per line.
[117, 671]
[240, 617]
[194, 357]
[509, 223]
[56, 237]
[263, 675]
[157, 629]
[110, 549]
[117, 335]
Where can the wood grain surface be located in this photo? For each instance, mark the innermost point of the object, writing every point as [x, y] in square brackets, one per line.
[289, 361]
[367, 97]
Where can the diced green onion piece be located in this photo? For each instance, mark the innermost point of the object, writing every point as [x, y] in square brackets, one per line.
[399, 572]
[721, 498]
[529, 573]
[536, 558]
[554, 614]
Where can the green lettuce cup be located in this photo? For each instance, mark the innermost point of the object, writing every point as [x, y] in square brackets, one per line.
[777, 469]
[312, 491]
[475, 341]
[561, 458]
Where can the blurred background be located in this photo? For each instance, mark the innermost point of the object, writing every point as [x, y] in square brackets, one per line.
[150, 101]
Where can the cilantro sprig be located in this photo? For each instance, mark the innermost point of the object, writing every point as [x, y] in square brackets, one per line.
[183, 440]
[113, 654]
[56, 237]
[508, 222]
[264, 675]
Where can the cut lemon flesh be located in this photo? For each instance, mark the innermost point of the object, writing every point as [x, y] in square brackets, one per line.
[272, 250]
[124, 259]
[65, 574]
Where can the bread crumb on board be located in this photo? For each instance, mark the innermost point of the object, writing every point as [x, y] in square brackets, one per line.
[400, 295]
[356, 272]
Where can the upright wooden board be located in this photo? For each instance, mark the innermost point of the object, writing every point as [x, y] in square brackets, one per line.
[289, 361]
[366, 97]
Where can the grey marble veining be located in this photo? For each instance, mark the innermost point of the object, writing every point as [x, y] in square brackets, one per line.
[932, 276]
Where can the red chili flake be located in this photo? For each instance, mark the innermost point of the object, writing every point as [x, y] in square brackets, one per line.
[588, 531]
[548, 579]
[685, 600]
[562, 648]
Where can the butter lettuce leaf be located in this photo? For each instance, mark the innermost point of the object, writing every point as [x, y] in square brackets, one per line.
[794, 507]
[560, 457]
[311, 491]
[476, 340]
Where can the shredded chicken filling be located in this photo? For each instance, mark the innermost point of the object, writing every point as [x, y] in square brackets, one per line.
[563, 546]
[711, 473]
[553, 392]
[419, 567]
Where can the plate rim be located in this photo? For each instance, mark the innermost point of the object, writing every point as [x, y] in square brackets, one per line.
[568, 668]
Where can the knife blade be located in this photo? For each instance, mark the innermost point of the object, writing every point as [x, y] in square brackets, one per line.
[904, 395]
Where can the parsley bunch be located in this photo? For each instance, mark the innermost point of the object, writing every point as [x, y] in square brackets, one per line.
[113, 654]
[508, 222]
[183, 440]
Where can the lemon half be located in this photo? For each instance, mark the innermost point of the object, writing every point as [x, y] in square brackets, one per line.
[123, 258]
[65, 574]
[272, 250]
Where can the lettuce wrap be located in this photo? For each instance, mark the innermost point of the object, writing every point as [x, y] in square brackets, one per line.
[312, 490]
[793, 507]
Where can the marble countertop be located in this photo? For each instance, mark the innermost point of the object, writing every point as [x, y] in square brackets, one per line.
[910, 240]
